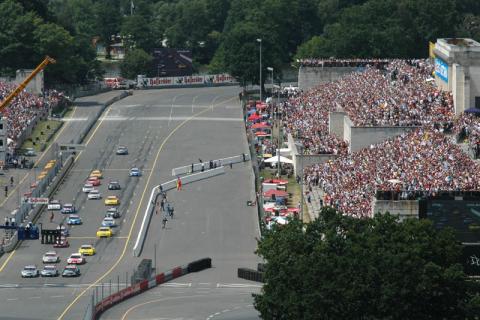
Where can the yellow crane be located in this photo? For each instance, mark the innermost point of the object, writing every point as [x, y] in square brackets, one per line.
[24, 83]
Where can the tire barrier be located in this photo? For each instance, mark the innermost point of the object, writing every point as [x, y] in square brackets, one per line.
[143, 286]
[199, 265]
[250, 274]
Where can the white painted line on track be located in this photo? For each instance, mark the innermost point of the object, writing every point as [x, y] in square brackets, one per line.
[171, 118]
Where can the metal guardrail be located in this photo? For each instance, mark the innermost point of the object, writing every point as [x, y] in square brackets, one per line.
[202, 166]
[169, 185]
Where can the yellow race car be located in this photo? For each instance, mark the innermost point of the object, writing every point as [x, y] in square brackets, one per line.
[87, 250]
[96, 173]
[112, 201]
[104, 232]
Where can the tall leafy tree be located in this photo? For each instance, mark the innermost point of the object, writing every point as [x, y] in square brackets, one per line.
[340, 267]
[108, 21]
[136, 62]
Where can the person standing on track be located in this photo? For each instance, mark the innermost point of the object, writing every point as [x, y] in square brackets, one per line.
[179, 184]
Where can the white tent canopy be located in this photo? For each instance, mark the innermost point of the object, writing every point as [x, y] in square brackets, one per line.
[275, 160]
[285, 151]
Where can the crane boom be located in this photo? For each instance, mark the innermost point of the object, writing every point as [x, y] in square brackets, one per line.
[24, 83]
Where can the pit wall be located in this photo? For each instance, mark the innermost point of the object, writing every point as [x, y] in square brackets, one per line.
[309, 77]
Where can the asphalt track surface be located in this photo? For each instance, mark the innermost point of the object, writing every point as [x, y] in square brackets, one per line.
[162, 129]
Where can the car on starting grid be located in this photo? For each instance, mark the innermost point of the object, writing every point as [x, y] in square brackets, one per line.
[30, 271]
[71, 271]
[49, 270]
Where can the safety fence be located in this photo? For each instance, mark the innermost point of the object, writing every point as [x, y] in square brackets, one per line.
[99, 304]
[202, 166]
[44, 188]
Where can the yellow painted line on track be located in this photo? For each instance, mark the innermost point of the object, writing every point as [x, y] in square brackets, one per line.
[28, 174]
[38, 160]
[166, 299]
[106, 170]
[8, 259]
[75, 238]
[138, 208]
[93, 133]
[145, 303]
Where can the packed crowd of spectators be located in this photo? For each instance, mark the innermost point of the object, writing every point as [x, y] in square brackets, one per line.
[355, 63]
[386, 93]
[421, 160]
[24, 109]
[467, 128]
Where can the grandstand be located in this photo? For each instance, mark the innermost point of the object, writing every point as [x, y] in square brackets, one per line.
[393, 136]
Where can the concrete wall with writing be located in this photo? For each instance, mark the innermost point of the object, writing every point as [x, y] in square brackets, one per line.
[362, 137]
[309, 77]
[402, 208]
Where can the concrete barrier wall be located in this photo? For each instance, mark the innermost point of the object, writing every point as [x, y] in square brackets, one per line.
[34, 213]
[92, 122]
[169, 185]
[362, 137]
[336, 123]
[402, 208]
[306, 159]
[197, 167]
[309, 77]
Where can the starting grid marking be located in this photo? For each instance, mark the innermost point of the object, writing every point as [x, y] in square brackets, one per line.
[177, 118]
[123, 285]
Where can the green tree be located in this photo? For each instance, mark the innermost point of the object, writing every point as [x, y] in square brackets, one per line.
[137, 32]
[16, 37]
[108, 21]
[340, 267]
[136, 62]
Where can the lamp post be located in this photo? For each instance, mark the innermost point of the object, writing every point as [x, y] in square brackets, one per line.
[300, 149]
[271, 70]
[260, 41]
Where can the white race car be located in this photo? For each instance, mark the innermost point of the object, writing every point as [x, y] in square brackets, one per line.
[94, 194]
[54, 205]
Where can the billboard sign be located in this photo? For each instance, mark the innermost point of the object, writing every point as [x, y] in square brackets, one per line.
[185, 80]
[441, 69]
[38, 200]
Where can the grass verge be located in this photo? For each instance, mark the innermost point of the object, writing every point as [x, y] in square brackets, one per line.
[48, 128]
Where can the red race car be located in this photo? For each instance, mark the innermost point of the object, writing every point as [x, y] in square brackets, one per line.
[61, 243]
[76, 258]
[94, 181]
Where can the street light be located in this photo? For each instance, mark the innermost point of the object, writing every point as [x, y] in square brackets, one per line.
[271, 70]
[260, 41]
[300, 151]
[279, 168]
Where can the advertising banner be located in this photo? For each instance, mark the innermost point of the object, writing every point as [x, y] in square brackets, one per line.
[38, 200]
[441, 69]
[186, 80]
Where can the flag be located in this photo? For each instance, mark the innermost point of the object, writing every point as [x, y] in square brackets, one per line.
[179, 184]
[132, 7]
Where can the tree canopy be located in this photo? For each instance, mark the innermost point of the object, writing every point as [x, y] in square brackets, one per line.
[290, 29]
[340, 267]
